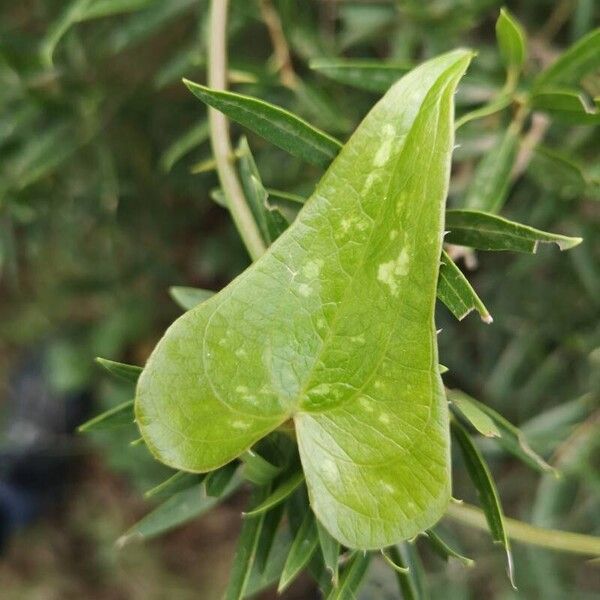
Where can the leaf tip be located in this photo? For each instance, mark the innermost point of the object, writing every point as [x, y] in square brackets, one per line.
[568, 243]
[487, 318]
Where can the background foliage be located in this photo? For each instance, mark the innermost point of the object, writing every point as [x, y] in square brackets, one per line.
[105, 201]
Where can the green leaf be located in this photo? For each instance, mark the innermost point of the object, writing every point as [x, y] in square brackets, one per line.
[455, 291]
[183, 145]
[178, 509]
[442, 549]
[296, 336]
[509, 436]
[557, 172]
[486, 489]
[409, 575]
[477, 417]
[271, 223]
[80, 11]
[247, 549]
[257, 469]
[370, 75]
[119, 416]
[217, 481]
[330, 549]
[511, 41]
[485, 231]
[272, 520]
[573, 64]
[352, 576]
[176, 483]
[303, 547]
[123, 371]
[275, 124]
[496, 105]
[490, 184]
[279, 494]
[188, 297]
[566, 105]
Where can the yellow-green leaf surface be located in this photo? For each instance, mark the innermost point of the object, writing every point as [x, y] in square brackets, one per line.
[333, 327]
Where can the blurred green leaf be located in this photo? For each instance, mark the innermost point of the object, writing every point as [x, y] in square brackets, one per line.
[271, 223]
[410, 575]
[570, 67]
[304, 545]
[455, 291]
[486, 231]
[217, 481]
[477, 417]
[557, 172]
[490, 184]
[119, 416]
[565, 105]
[257, 469]
[511, 41]
[486, 489]
[371, 75]
[509, 436]
[285, 488]
[178, 509]
[268, 537]
[330, 549]
[275, 124]
[79, 11]
[123, 371]
[176, 483]
[246, 552]
[188, 297]
[352, 576]
[183, 145]
[444, 550]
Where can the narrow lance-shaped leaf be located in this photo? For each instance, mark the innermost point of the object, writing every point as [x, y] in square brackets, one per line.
[409, 575]
[444, 550]
[352, 577]
[477, 417]
[370, 75]
[119, 416]
[188, 297]
[268, 537]
[330, 549]
[271, 223]
[176, 483]
[486, 231]
[257, 469]
[217, 481]
[183, 145]
[566, 105]
[490, 184]
[123, 371]
[492, 424]
[333, 327]
[304, 545]
[279, 494]
[276, 124]
[455, 291]
[486, 489]
[180, 508]
[570, 67]
[511, 41]
[246, 552]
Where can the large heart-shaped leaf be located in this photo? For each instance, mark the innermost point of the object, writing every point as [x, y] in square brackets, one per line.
[333, 327]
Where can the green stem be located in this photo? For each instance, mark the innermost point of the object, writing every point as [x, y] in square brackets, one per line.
[553, 539]
[219, 133]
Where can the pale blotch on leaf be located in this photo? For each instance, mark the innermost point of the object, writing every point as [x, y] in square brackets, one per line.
[389, 272]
